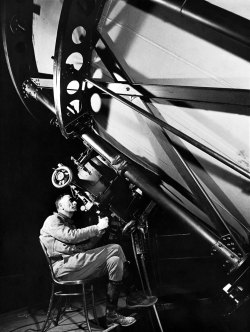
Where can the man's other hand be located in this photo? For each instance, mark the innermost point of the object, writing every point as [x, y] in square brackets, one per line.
[103, 223]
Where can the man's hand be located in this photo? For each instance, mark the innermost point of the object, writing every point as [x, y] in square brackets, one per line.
[103, 223]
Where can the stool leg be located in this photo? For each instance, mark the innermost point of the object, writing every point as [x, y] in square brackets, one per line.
[49, 309]
[59, 310]
[85, 308]
[93, 305]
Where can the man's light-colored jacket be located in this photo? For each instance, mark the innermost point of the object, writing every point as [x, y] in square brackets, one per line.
[62, 238]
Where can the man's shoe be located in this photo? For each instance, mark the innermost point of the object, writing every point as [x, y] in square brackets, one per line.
[113, 317]
[140, 300]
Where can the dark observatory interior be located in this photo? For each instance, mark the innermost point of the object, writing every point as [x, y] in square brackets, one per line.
[29, 151]
[184, 199]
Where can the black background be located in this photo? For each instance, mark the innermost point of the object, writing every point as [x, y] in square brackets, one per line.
[29, 151]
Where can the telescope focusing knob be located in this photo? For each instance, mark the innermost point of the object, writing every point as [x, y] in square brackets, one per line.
[61, 177]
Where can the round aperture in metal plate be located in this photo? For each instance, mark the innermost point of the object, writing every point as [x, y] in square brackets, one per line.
[73, 87]
[78, 35]
[96, 102]
[75, 59]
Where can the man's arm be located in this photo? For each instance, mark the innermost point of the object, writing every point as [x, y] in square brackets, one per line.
[91, 243]
[56, 228]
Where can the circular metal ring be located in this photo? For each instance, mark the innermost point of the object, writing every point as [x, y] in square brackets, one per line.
[62, 177]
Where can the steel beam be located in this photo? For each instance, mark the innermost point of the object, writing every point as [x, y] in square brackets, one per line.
[175, 131]
[32, 90]
[219, 19]
[138, 176]
[237, 97]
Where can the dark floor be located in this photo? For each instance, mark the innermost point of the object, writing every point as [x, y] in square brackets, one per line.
[175, 317]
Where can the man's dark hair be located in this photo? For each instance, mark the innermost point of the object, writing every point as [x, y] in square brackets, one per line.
[58, 200]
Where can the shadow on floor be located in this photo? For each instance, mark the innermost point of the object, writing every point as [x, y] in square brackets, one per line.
[175, 317]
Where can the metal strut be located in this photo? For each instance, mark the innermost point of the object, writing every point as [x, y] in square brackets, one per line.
[139, 177]
[144, 271]
[219, 19]
[32, 90]
[175, 131]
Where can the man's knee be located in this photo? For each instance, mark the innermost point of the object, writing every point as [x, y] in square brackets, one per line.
[115, 268]
[116, 250]
[115, 262]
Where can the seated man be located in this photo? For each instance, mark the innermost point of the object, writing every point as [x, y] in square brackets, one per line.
[71, 260]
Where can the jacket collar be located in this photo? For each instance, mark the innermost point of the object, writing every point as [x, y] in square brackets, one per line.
[63, 217]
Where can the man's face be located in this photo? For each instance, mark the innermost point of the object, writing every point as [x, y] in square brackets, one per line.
[68, 204]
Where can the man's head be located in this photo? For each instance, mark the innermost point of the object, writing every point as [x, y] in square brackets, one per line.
[66, 204]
